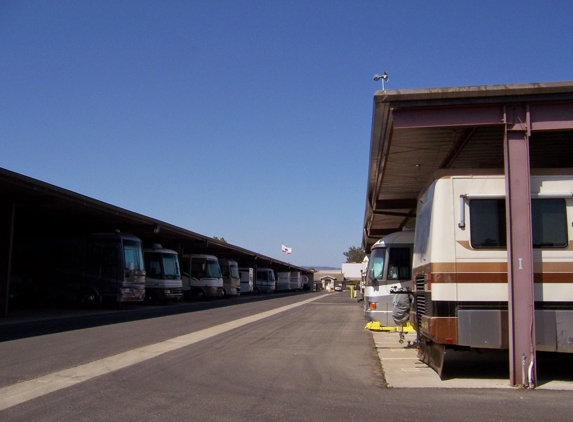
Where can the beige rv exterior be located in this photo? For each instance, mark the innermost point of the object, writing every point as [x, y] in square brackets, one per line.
[460, 260]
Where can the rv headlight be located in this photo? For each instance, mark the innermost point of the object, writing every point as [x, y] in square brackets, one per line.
[167, 291]
[125, 290]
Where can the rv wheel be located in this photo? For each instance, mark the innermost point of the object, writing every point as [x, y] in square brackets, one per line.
[199, 294]
[87, 298]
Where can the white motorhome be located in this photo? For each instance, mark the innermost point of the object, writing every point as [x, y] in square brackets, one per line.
[283, 281]
[460, 262]
[202, 278]
[389, 270]
[265, 281]
[163, 276]
[231, 278]
[246, 276]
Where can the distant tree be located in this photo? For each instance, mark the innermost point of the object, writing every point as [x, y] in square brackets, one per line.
[354, 254]
[220, 239]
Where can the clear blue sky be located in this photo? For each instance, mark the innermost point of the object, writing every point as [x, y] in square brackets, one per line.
[248, 120]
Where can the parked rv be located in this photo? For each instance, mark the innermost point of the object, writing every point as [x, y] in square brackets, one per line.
[295, 280]
[163, 276]
[460, 263]
[283, 281]
[246, 276]
[202, 278]
[306, 284]
[265, 281]
[389, 270]
[89, 270]
[231, 278]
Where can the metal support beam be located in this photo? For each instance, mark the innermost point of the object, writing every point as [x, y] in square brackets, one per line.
[7, 213]
[410, 118]
[519, 247]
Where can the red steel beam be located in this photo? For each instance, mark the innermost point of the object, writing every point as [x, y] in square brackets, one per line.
[409, 118]
[519, 246]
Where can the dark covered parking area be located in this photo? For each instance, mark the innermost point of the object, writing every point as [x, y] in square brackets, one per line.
[30, 209]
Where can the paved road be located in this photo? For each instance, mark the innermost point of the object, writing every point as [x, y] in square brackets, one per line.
[302, 357]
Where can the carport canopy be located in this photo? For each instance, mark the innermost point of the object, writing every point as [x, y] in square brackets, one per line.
[416, 132]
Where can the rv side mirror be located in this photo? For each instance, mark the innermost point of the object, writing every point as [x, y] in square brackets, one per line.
[371, 276]
[130, 266]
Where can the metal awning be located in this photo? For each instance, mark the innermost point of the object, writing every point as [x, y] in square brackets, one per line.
[416, 132]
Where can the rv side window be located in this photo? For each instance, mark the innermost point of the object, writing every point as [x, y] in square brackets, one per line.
[399, 264]
[549, 223]
[488, 223]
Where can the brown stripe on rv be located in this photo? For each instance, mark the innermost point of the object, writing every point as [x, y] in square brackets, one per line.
[493, 272]
[466, 245]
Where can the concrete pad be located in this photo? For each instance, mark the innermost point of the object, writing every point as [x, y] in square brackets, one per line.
[402, 369]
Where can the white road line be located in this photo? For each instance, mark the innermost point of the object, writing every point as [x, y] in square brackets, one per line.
[28, 390]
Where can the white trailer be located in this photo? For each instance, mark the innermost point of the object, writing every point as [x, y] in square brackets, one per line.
[163, 276]
[246, 276]
[352, 270]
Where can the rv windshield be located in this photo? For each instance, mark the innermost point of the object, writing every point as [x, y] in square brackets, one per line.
[234, 270]
[133, 254]
[212, 269]
[171, 266]
[376, 264]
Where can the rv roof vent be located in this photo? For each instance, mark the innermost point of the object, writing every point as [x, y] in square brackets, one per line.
[157, 246]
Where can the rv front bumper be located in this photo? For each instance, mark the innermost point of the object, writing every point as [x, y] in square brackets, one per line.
[131, 294]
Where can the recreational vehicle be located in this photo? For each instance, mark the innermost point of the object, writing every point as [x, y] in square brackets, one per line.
[246, 276]
[265, 281]
[460, 265]
[86, 270]
[389, 270]
[283, 281]
[163, 277]
[295, 280]
[202, 278]
[231, 278]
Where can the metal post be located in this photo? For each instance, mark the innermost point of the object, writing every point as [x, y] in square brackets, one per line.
[521, 311]
[6, 243]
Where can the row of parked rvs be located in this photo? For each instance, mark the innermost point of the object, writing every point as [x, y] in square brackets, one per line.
[116, 268]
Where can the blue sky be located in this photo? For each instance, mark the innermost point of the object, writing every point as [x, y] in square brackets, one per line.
[248, 120]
